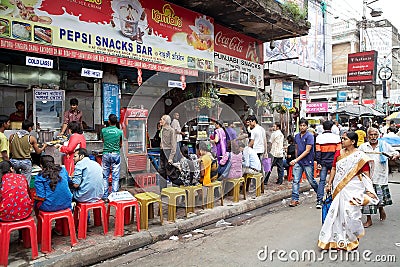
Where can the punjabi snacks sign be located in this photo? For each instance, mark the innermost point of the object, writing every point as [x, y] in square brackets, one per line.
[155, 31]
[237, 58]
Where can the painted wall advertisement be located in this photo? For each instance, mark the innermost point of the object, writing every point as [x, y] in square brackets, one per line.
[237, 58]
[137, 33]
[309, 49]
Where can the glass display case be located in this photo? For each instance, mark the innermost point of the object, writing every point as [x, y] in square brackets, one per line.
[48, 108]
[136, 136]
[203, 124]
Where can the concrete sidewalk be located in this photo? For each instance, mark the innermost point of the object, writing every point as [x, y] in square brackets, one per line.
[98, 247]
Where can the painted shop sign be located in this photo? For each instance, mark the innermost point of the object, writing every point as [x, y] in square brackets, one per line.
[119, 31]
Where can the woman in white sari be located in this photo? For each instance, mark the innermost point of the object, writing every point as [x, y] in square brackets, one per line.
[352, 188]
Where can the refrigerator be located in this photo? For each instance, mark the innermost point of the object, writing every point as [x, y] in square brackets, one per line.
[134, 124]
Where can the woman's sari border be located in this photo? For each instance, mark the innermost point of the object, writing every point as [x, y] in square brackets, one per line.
[350, 175]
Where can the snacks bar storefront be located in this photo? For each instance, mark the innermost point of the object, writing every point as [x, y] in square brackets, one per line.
[82, 47]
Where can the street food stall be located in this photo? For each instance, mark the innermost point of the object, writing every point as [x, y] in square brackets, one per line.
[48, 109]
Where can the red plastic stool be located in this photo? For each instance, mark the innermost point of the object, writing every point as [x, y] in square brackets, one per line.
[81, 211]
[44, 227]
[122, 214]
[290, 173]
[29, 239]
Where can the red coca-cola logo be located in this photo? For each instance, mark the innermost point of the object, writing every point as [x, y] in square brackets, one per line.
[233, 43]
[137, 113]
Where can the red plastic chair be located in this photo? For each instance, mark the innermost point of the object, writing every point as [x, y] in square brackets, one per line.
[122, 215]
[44, 227]
[30, 239]
[81, 213]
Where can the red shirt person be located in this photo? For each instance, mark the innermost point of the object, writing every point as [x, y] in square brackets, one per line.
[15, 203]
[73, 114]
[77, 140]
[18, 115]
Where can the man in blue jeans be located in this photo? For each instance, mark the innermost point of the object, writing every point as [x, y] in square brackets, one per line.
[327, 144]
[304, 162]
[111, 160]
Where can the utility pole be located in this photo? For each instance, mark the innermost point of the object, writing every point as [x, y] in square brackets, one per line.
[362, 44]
[363, 29]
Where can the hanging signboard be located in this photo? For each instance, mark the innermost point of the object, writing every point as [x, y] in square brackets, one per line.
[152, 35]
[98, 74]
[341, 96]
[237, 58]
[39, 62]
[287, 87]
[111, 103]
[361, 68]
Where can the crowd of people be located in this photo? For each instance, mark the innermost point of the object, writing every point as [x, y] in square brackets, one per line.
[226, 155]
[355, 172]
[352, 164]
[57, 187]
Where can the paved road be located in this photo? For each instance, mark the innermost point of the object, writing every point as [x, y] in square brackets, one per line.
[275, 227]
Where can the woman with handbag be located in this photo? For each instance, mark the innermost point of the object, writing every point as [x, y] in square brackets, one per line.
[352, 188]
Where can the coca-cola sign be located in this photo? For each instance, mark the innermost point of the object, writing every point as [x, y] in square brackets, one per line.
[236, 44]
[231, 42]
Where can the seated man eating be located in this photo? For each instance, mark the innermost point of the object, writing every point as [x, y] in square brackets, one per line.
[87, 182]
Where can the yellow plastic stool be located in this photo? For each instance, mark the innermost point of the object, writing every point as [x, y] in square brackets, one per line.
[210, 194]
[236, 187]
[146, 201]
[173, 193]
[190, 190]
[259, 182]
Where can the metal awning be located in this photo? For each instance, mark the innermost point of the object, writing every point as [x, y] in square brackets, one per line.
[231, 91]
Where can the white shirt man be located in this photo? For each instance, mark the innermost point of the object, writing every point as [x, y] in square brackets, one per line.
[177, 127]
[258, 139]
[251, 162]
[380, 172]
[335, 129]
[276, 141]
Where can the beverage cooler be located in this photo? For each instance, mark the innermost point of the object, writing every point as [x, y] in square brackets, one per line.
[134, 124]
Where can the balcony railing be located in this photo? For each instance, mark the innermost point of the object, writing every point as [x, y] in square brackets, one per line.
[339, 79]
[344, 26]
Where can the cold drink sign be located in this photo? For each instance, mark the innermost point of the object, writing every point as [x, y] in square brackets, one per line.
[49, 95]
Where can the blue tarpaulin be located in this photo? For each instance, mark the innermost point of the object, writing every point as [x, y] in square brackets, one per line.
[391, 140]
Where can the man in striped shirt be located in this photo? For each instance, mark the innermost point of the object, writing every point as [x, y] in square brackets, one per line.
[326, 146]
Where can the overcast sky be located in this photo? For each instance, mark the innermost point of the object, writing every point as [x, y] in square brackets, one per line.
[353, 8]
